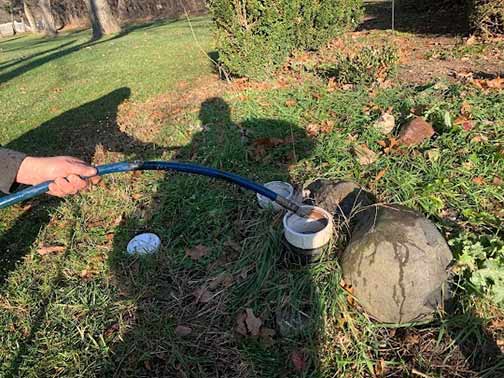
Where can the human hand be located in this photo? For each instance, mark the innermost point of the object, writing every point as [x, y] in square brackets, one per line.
[65, 171]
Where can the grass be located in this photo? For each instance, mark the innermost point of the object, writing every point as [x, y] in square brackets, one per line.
[90, 310]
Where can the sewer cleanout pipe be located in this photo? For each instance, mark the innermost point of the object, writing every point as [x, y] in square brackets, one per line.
[102, 170]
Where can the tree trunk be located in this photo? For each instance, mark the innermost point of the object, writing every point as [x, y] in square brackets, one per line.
[29, 16]
[12, 19]
[102, 20]
[49, 25]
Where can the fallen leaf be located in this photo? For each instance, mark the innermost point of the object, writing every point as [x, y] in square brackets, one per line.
[465, 109]
[380, 368]
[267, 335]
[380, 175]
[497, 181]
[478, 180]
[332, 85]
[196, 252]
[253, 323]
[50, 250]
[261, 145]
[433, 154]
[472, 40]
[182, 331]
[479, 139]
[86, 274]
[312, 129]
[202, 295]
[298, 358]
[326, 126]
[225, 279]
[290, 102]
[385, 124]
[241, 326]
[466, 124]
[497, 83]
[365, 155]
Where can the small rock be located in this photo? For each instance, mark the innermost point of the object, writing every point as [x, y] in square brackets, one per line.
[415, 132]
[385, 124]
[343, 198]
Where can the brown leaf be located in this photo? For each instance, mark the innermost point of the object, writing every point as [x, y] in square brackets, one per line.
[261, 145]
[253, 323]
[380, 175]
[202, 295]
[290, 102]
[298, 358]
[87, 274]
[313, 129]
[326, 126]
[196, 252]
[479, 139]
[182, 331]
[332, 85]
[380, 368]
[497, 83]
[478, 180]
[497, 181]
[225, 279]
[365, 155]
[465, 109]
[50, 250]
[466, 124]
[241, 326]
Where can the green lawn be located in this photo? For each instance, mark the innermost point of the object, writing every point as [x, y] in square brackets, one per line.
[89, 310]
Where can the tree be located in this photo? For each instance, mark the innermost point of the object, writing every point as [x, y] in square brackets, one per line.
[102, 20]
[29, 16]
[49, 25]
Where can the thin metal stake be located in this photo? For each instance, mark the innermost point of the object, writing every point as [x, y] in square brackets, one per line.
[393, 16]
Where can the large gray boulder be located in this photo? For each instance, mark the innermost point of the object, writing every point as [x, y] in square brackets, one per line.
[396, 263]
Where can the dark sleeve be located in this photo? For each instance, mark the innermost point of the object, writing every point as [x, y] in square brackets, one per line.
[10, 161]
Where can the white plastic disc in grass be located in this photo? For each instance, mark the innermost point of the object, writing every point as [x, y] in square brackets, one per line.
[280, 187]
[144, 244]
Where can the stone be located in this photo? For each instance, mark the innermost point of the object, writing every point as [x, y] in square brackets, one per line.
[396, 263]
[385, 124]
[415, 132]
[340, 198]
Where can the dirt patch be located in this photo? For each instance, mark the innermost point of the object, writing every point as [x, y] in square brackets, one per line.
[431, 45]
[144, 120]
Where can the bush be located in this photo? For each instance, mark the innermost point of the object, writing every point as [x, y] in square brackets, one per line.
[254, 37]
[367, 66]
[487, 17]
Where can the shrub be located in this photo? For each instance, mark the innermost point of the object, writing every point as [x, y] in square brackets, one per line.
[367, 66]
[254, 37]
[487, 17]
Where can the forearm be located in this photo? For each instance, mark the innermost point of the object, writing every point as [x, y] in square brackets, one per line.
[10, 161]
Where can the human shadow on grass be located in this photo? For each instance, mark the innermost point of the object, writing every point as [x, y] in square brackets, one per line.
[170, 289]
[77, 132]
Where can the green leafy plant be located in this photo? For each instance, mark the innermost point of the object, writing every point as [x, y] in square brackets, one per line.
[254, 37]
[482, 260]
[367, 66]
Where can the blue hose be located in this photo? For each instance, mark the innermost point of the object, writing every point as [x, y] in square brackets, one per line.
[159, 166]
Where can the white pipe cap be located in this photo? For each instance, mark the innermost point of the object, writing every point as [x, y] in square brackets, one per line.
[144, 244]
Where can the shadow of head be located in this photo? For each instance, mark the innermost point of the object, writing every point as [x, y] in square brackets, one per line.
[260, 144]
[191, 210]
